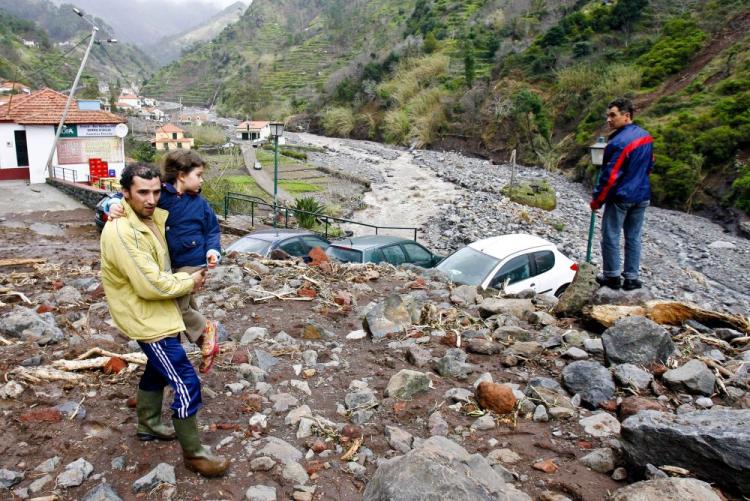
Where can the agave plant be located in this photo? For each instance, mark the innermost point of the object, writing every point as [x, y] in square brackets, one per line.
[309, 205]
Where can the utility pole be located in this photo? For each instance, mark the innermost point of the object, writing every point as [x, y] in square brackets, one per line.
[94, 29]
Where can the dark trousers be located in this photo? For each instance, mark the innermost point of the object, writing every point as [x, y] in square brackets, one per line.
[168, 364]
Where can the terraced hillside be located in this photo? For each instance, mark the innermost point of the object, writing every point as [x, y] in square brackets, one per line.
[281, 55]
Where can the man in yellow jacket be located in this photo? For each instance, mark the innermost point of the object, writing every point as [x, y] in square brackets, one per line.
[141, 292]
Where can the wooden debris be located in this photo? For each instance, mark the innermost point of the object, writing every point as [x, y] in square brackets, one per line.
[8, 292]
[136, 357]
[5, 341]
[668, 313]
[20, 261]
[39, 374]
[352, 450]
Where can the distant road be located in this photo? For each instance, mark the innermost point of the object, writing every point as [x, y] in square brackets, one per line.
[264, 177]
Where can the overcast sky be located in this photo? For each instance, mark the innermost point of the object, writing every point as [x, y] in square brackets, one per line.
[218, 3]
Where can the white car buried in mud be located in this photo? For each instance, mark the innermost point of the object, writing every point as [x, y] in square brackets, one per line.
[511, 263]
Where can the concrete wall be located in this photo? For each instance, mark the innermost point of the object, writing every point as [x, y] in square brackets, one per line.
[39, 138]
[8, 145]
[86, 194]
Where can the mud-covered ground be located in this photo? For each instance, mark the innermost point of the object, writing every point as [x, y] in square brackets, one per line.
[103, 428]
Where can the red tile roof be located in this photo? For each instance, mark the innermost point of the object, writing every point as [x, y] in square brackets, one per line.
[169, 128]
[250, 124]
[45, 107]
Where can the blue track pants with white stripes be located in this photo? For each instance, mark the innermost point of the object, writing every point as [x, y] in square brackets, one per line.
[168, 364]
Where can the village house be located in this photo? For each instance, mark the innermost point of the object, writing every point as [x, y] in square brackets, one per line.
[253, 131]
[128, 102]
[9, 87]
[27, 131]
[171, 137]
[196, 118]
[151, 113]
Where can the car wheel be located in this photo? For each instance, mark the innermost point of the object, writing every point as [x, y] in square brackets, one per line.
[562, 289]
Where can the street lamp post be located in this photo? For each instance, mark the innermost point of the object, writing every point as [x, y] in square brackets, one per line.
[277, 129]
[597, 159]
[94, 29]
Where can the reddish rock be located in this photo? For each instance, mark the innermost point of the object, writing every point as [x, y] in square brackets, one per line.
[132, 402]
[343, 298]
[318, 446]
[314, 467]
[608, 405]
[399, 407]
[352, 431]
[42, 415]
[585, 444]
[318, 256]
[306, 292]
[240, 357]
[419, 283]
[547, 466]
[252, 403]
[45, 307]
[115, 365]
[58, 284]
[633, 405]
[657, 369]
[498, 398]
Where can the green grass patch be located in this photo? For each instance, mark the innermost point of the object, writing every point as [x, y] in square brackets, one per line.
[295, 187]
[532, 194]
[215, 189]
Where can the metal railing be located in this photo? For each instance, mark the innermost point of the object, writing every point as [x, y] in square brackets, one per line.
[325, 218]
[65, 172]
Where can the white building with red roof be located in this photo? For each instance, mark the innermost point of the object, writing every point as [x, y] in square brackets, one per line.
[251, 130]
[27, 131]
[171, 137]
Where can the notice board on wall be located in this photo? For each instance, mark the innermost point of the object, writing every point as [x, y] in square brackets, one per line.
[79, 150]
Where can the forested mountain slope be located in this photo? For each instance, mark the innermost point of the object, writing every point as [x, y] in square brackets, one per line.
[490, 76]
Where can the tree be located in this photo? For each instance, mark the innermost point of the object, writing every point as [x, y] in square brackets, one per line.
[469, 63]
[430, 43]
[625, 14]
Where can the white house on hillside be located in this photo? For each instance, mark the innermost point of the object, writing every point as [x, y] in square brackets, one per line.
[27, 132]
[253, 130]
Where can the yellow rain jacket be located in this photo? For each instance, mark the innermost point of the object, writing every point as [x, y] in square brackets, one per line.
[140, 289]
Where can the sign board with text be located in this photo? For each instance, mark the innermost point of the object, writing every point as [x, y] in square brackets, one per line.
[79, 150]
[88, 130]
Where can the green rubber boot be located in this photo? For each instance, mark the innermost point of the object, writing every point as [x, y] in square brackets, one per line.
[148, 408]
[198, 457]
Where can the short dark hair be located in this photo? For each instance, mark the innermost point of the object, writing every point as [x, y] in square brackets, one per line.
[623, 104]
[178, 161]
[144, 171]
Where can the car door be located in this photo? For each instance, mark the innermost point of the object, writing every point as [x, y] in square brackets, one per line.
[517, 273]
[418, 255]
[394, 255]
[312, 241]
[546, 280]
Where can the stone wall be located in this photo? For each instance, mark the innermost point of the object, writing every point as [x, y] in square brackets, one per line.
[88, 195]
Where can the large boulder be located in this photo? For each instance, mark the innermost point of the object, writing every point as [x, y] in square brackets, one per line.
[391, 316]
[666, 489]
[503, 306]
[25, 323]
[579, 292]
[636, 340]
[439, 469]
[692, 377]
[591, 380]
[713, 444]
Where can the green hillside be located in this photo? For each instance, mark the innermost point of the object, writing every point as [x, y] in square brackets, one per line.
[60, 25]
[491, 76]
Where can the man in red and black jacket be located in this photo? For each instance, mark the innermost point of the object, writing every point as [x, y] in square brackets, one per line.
[625, 192]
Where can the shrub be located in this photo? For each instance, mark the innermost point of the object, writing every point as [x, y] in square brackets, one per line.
[299, 155]
[681, 40]
[741, 189]
[718, 144]
[207, 135]
[396, 126]
[338, 121]
[308, 204]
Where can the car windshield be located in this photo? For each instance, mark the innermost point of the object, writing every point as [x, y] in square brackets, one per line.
[468, 266]
[344, 254]
[249, 244]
